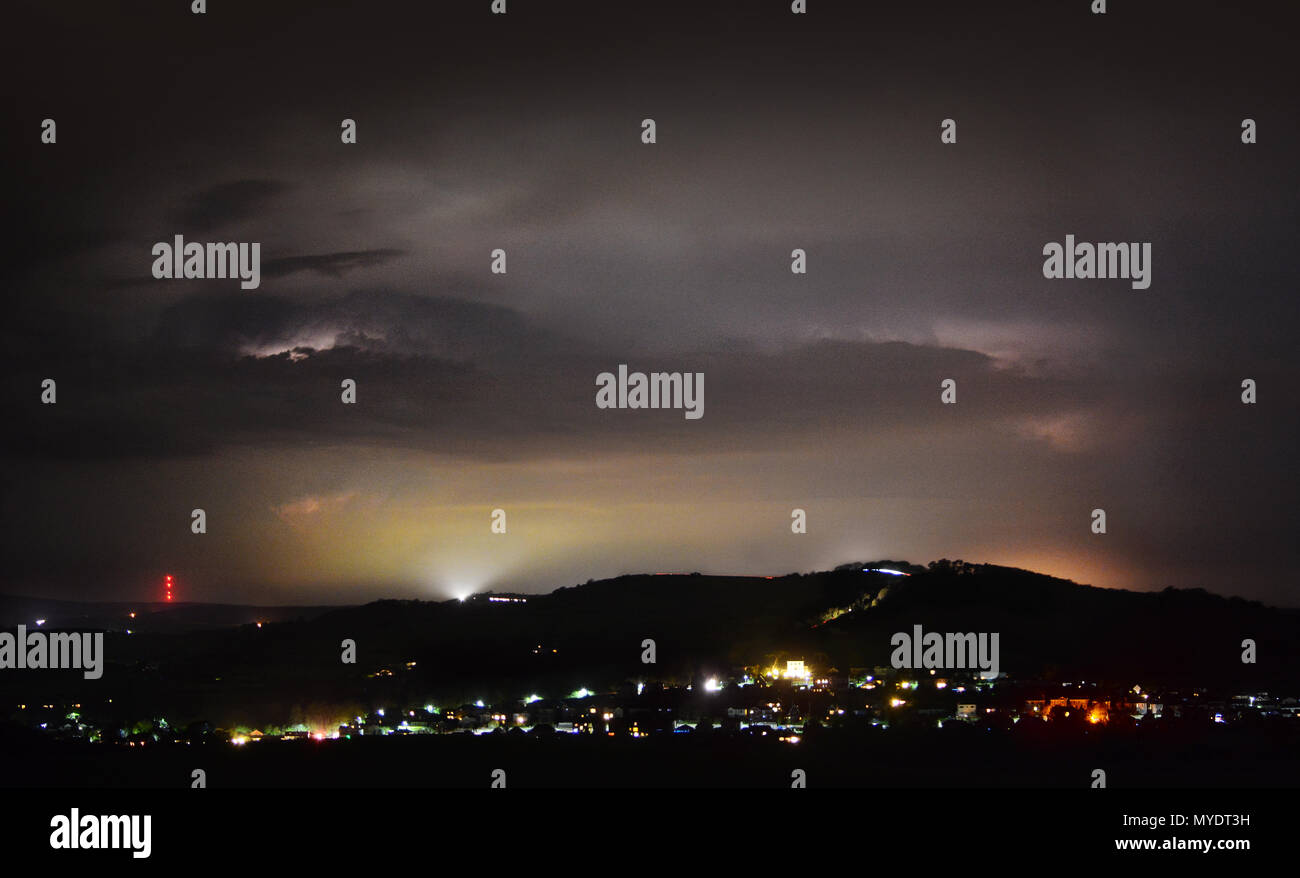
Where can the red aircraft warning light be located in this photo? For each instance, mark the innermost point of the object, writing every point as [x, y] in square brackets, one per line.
[168, 586]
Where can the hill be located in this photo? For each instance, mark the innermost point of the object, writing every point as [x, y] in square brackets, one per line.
[215, 661]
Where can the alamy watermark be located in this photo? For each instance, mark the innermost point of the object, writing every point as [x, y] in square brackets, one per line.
[1085, 260]
[53, 650]
[950, 651]
[91, 832]
[656, 390]
[215, 260]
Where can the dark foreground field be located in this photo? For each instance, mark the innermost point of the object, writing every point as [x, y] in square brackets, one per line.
[1214, 758]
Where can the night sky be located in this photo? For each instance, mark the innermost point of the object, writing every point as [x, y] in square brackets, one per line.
[476, 391]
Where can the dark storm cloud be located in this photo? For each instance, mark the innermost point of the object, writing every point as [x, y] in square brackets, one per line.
[381, 322]
[332, 265]
[329, 264]
[227, 203]
[440, 374]
[484, 381]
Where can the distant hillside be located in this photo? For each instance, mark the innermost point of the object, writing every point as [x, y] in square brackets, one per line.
[591, 635]
[1056, 629]
[149, 616]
